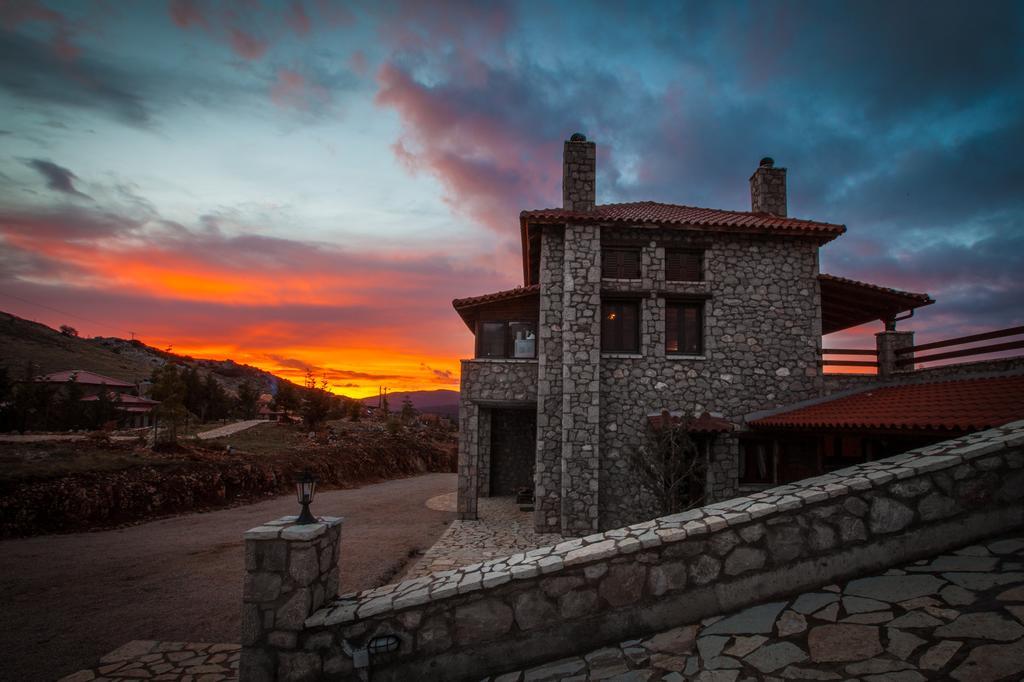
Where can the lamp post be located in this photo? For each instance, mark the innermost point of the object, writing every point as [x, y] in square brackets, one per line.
[305, 489]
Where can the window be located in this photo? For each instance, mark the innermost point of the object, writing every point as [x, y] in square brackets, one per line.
[506, 339]
[620, 326]
[757, 464]
[684, 266]
[684, 328]
[620, 263]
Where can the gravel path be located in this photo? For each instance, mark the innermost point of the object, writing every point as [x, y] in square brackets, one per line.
[229, 429]
[69, 599]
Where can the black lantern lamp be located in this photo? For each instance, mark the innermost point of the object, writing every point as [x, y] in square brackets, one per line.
[305, 489]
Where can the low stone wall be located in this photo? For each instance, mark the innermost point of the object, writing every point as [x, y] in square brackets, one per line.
[581, 594]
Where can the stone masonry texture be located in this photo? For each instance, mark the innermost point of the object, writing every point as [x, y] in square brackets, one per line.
[290, 571]
[762, 340]
[540, 605]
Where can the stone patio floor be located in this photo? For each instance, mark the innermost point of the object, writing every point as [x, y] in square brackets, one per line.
[178, 661]
[958, 616]
[500, 530]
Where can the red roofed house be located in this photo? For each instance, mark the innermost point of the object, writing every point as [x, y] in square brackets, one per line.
[630, 309]
[136, 411]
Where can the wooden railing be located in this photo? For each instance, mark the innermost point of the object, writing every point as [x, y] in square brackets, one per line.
[850, 363]
[909, 355]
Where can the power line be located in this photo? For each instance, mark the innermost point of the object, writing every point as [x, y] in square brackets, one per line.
[62, 312]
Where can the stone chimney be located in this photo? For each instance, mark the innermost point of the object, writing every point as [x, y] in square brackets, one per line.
[768, 189]
[579, 174]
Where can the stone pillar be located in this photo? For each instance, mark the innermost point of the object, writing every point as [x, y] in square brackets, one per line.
[469, 456]
[579, 174]
[547, 477]
[768, 189]
[887, 343]
[581, 394]
[290, 572]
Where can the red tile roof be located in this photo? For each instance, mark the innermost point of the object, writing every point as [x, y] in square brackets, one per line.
[84, 377]
[125, 399]
[654, 213]
[963, 405]
[508, 294]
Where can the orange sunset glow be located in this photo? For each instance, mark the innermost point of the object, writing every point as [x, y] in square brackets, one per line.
[311, 196]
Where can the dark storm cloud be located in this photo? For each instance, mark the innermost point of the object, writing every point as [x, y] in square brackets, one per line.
[58, 178]
[32, 70]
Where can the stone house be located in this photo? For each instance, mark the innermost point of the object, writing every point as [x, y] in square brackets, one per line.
[630, 309]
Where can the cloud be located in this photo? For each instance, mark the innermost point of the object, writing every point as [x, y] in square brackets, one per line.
[296, 18]
[292, 89]
[30, 70]
[186, 13]
[246, 45]
[58, 178]
[444, 374]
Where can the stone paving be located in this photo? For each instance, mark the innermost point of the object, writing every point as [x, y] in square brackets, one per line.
[958, 616]
[178, 661]
[500, 530]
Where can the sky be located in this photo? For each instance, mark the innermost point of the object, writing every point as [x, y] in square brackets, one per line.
[308, 184]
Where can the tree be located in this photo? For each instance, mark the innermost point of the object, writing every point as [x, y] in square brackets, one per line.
[316, 407]
[409, 412]
[247, 401]
[68, 330]
[355, 410]
[169, 389]
[287, 398]
[215, 399]
[671, 466]
[103, 410]
[70, 406]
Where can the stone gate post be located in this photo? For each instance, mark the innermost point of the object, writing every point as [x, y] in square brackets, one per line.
[887, 343]
[290, 571]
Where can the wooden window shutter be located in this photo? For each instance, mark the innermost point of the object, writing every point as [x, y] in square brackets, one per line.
[683, 266]
[620, 263]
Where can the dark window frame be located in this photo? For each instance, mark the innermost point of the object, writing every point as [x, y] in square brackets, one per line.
[698, 254]
[508, 350]
[682, 304]
[619, 268]
[748, 475]
[619, 339]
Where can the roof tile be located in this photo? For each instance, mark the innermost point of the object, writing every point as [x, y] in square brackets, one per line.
[652, 212]
[961, 405]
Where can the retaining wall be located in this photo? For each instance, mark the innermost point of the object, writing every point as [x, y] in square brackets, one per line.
[576, 596]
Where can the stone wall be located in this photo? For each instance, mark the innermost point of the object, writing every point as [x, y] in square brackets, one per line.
[581, 399]
[547, 515]
[486, 383]
[554, 601]
[762, 337]
[290, 571]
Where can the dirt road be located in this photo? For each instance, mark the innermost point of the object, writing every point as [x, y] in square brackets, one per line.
[229, 429]
[69, 599]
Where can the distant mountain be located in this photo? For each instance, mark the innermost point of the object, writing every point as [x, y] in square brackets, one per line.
[441, 402]
[24, 343]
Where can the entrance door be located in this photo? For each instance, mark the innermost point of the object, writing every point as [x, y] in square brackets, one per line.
[513, 450]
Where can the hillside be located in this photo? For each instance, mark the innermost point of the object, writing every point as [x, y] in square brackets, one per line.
[442, 402]
[23, 341]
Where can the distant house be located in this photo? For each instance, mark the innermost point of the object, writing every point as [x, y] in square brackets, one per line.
[136, 411]
[90, 382]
